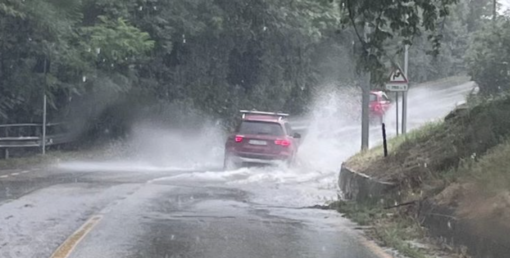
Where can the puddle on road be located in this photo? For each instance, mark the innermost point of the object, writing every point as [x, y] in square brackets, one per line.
[120, 166]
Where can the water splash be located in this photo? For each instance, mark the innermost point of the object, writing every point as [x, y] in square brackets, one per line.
[334, 123]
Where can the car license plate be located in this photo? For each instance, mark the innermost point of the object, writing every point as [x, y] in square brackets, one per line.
[257, 142]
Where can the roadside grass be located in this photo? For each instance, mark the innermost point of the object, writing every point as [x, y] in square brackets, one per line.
[491, 173]
[55, 156]
[51, 157]
[359, 161]
[486, 157]
[392, 236]
[387, 228]
[24, 162]
[361, 213]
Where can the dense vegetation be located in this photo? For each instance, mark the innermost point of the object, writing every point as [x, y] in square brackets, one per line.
[109, 62]
[488, 58]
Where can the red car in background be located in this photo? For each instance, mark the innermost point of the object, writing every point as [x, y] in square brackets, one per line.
[261, 138]
[379, 105]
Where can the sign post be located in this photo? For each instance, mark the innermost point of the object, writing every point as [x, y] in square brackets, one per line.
[404, 95]
[397, 83]
[397, 116]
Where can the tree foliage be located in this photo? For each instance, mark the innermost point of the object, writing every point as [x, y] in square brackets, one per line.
[115, 41]
[99, 60]
[488, 57]
[455, 31]
[397, 22]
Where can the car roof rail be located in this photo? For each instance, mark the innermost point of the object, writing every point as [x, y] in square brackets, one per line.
[255, 112]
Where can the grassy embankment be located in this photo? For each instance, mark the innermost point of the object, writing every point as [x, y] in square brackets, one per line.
[55, 156]
[462, 163]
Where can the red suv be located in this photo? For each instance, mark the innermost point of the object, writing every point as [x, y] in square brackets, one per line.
[379, 105]
[261, 138]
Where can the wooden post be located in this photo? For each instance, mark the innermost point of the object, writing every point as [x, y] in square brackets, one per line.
[385, 143]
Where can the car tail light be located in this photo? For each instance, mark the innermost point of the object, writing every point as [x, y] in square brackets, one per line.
[284, 143]
[239, 138]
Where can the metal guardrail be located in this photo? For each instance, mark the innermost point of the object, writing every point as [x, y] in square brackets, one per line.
[32, 135]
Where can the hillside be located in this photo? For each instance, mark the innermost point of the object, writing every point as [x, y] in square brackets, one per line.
[452, 177]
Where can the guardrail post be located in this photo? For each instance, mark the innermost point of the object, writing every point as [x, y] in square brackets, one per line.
[43, 144]
[6, 151]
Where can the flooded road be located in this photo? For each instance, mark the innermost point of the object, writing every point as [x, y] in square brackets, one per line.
[134, 209]
[163, 214]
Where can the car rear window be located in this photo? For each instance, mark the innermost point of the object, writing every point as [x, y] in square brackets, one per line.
[260, 128]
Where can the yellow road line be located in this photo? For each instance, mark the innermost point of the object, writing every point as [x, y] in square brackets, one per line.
[66, 248]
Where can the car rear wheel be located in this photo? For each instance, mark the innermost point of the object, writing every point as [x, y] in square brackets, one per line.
[229, 163]
[291, 162]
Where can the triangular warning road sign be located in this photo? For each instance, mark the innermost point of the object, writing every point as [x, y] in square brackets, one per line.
[397, 76]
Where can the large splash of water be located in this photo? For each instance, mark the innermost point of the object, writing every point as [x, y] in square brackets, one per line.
[334, 125]
[333, 135]
[330, 139]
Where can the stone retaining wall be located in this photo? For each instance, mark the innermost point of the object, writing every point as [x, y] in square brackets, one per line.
[360, 187]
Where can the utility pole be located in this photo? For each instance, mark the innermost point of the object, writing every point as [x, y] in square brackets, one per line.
[404, 94]
[365, 102]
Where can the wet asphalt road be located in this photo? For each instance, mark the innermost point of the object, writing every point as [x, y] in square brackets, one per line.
[124, 210]
[145, 215]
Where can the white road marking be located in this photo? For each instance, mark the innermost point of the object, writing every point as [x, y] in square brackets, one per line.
[25, 171]
[4, 176]
[15, 174]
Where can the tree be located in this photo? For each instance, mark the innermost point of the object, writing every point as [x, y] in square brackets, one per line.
[479, 10]
[450, 58]
[104, 56]
[34, 33]
[115, 41]
[378, 22]
[488, 57]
